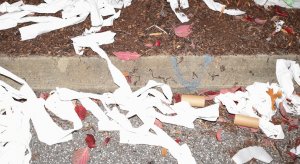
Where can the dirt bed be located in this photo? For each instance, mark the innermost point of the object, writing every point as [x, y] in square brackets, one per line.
[213, 33]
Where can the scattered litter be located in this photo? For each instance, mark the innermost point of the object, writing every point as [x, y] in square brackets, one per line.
[127, 55]
[246, 154]
[90, 141]
[183, 30]
[193, 100]
[246, 121]
[278, 26]
[175, 6]
[221, 8]
[281, 3]
[81, 156]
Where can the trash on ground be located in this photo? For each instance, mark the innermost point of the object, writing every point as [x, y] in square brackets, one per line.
[221, 8]
[281, 3]
[246, 121]
[90, 141]
[193, 100]
[246, 154]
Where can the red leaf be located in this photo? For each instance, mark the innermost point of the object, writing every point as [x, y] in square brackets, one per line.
[293, 127]
[157, 43]
[176, 98]
[219, 135]
[81, 156]
[158, 123]
[289, 30]
[150, 45]
[260, 21]
[90, 141]
[183, 30]
[127, 55]
[106, 141]
[81, 111]
[44, 95]
[292, 155]
[248, 18]
[178, 140]
[279, 12]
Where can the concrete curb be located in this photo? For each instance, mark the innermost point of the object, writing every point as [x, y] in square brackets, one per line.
[183, 73]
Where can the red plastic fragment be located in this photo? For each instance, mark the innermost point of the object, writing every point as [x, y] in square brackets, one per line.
[157, 43]
[289, 30]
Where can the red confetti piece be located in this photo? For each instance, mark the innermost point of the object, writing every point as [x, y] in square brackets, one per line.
[219, 135]
[90, 141]
[106, 141]
[81, 111]
[248, 18]
[81, 156]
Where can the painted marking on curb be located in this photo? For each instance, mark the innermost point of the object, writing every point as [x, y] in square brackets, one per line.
[189, 85]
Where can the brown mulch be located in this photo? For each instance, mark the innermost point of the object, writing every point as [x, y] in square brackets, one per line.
[213, 33]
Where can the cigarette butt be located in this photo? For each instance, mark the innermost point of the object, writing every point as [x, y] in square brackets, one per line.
[193, 100]
[247, 121]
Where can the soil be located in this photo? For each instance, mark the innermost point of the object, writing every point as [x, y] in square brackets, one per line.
[213, 33]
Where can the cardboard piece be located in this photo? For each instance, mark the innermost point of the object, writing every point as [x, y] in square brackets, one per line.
[194, 100]
[246, 121]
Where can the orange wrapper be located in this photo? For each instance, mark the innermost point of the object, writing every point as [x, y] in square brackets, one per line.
[246, 121]
[193, 100]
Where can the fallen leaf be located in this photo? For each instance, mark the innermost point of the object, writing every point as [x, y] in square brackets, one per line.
[127, 76]
[150, 45]
[260, 21]
[106, 141]
[164, 152]
[81, 156]
[81, 111]
[248, 18]
[279, 12]
[127, 55]
[158, 123]
[176, 98]
[274, 96]
[292, 155]
[183, 30]
[292, 127]
[219, 135]
[44, 95]
[177, 140]
[90, 141]
[157, 43]
[288, 30]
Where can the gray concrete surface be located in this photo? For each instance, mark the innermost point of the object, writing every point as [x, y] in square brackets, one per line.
[182, 73]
